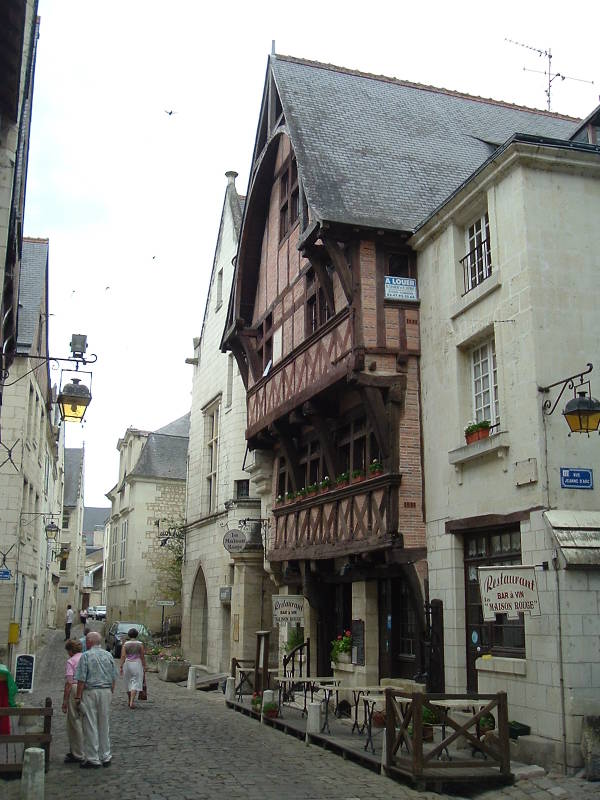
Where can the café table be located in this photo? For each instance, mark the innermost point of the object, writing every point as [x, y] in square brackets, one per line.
[308, 686]
[328, 685]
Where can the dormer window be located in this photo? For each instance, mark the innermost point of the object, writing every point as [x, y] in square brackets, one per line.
[289, 197]
[477, 264]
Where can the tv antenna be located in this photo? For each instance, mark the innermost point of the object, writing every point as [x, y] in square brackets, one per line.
[551, 75]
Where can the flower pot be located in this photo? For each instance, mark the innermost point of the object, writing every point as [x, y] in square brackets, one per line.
[173, 671]
[358, 479]
[376, 473]
[344, 658]
[271, 713]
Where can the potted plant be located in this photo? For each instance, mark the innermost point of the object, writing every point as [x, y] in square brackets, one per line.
[278, 500]
[429, 720]
[270, 710]
[477, 430]
[312, 488]
[301, 494]
[375, 468]
[290, 496]
[325, 484]
[342, 479]
[357, 475]
[487, 723]
[295, 637]
[172, 667]
[341, 648]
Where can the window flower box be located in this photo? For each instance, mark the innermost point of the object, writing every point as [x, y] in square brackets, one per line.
[375, 468]
[325, 484]
[474, 431]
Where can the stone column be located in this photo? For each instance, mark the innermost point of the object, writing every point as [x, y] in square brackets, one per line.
[248, 613]
[365, 607]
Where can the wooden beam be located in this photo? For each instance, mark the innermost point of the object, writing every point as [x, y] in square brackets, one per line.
[317, 255]
[290, 454]
[243, 338]
[340, 264]
[323, 429]
[379, 418]
[240, 357]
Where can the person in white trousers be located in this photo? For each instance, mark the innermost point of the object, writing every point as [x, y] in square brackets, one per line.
[96, 676]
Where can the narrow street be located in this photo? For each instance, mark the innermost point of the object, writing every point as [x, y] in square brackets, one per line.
[183, 746]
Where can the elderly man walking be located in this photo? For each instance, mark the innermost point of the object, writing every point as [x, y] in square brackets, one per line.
[96, 675]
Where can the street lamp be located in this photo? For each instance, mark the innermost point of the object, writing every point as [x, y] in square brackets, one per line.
[73, 400]
[582, 412]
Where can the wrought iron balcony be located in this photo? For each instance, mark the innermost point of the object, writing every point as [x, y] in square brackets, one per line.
[477, 265]
[359, 517]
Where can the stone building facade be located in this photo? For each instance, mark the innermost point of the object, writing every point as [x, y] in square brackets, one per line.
[226, 596]
[71, 557]
[514, 314]
[148, 498]
[31, 466]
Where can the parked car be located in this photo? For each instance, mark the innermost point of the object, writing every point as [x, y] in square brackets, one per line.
[117, 634]
[100, 612]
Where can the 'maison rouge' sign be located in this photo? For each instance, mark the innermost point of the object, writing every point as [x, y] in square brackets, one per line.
[508, 590]
[288, 608]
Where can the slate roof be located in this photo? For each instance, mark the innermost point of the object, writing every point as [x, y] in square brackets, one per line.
[164, 454]
[32, 284]
[383, 153]
[94, 517]
[73, 475]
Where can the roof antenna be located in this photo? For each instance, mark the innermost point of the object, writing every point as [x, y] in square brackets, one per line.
[272, 47]
[551, 75]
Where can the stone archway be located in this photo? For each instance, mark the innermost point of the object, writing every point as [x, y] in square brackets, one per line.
[199, 620]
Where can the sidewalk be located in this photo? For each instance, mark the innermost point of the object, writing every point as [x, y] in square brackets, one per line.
[182, 745]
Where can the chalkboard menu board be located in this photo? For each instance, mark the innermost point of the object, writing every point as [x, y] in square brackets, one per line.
[24, 670]
[358, 642]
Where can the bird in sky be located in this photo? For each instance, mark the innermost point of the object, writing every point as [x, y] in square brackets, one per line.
[170, 113]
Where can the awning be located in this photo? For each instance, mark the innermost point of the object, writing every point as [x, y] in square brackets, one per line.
[578, 536]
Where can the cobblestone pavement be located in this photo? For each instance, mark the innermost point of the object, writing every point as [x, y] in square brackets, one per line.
[188, 746]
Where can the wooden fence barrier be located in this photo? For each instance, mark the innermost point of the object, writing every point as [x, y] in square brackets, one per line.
[11, 755]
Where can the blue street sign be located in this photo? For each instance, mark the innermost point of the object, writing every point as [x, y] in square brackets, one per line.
[5, 575]
[580, 478]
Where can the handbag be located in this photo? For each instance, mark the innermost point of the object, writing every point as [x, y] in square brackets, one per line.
[143, 695]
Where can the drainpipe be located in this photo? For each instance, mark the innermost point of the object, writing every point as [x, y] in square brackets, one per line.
[563, 712]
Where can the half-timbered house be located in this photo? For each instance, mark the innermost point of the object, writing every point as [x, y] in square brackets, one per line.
[324, 323]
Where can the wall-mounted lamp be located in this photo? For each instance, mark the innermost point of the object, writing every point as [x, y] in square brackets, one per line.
[74, 397]
[582, 412]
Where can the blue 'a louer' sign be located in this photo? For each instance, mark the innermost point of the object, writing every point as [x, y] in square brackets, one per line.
[576, 478]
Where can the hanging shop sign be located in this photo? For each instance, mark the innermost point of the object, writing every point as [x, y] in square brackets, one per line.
[508, 590]
[288, 608]
[234, 541]
[400, 288]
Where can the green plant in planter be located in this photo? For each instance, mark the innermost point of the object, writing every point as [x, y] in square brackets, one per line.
[487, 722]
[295, 637]
[301, 493]
[256, 701]
[289, 496]
[311, 488]
[343, 644]
[325, 483]
[358, 473]
[473, 426]
[375, 467]
[342, 478]
[270, 709]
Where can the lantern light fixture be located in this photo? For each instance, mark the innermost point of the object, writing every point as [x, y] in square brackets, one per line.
[582, 412]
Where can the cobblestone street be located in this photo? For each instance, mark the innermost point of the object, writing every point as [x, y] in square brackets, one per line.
[180, 746]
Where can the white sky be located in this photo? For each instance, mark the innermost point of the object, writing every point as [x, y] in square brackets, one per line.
[130, 198]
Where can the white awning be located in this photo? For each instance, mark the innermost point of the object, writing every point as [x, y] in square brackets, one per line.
[578, 535]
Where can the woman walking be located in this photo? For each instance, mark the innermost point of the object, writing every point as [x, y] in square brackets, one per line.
[133, 666]
[70, 707]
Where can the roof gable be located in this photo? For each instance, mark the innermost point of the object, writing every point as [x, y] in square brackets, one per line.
[382, 153]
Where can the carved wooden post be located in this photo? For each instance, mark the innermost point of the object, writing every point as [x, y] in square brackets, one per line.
[47, 730]
[390, 729]
[503, 733]
[417, 722]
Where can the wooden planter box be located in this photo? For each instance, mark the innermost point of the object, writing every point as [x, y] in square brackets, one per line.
[173, 671]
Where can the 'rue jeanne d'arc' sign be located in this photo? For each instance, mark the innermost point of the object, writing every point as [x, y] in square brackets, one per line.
[288, 608]
[508, 590]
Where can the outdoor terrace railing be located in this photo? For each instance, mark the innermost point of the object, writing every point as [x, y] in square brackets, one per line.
[364, 514]
[13, 745]
[404, 731]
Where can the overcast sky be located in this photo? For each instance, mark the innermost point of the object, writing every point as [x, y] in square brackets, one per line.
[130, 197]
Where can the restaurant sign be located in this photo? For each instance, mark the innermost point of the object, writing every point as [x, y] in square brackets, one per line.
[509, 590]
[234, 541]
[288, 608]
